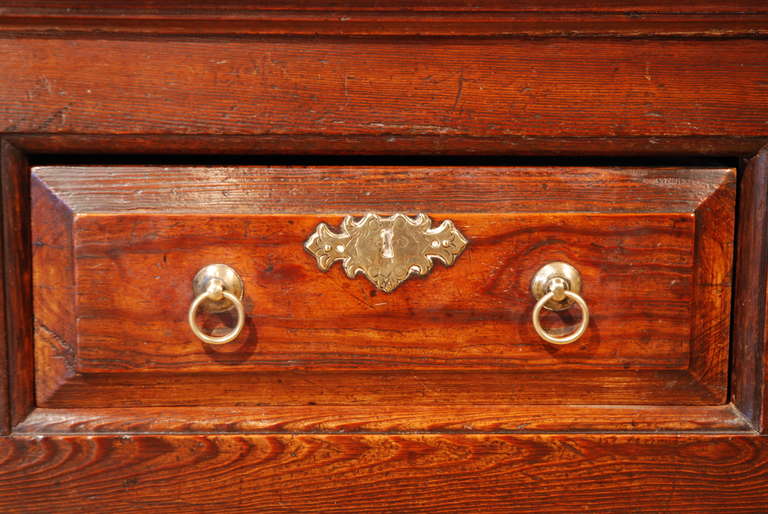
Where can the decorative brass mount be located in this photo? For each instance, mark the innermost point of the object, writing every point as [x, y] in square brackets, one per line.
[386, 250]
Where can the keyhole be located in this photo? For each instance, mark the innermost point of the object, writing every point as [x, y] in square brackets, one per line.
[387, 251]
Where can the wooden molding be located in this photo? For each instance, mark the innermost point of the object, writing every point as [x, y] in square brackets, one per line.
[17, 256]
[369, 18]
[748, 370]
[311, 146]
[350, 419]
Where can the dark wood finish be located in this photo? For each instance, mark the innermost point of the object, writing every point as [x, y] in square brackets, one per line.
[381, 24]
[750, 290]
[512, 147]
[418, 87]
[235, 7]
[343, 419]
[764, 406]
[639, 267]
[5, 160]
[345, 18]
[384, 473]
[17, 281]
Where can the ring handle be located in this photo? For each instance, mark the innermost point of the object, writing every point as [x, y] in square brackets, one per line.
[217, 287]
[563, 339]
[556, 287]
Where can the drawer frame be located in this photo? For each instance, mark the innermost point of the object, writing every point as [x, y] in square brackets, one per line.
[743, 413]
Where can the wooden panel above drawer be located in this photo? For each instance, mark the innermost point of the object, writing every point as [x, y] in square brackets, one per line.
[115, 250]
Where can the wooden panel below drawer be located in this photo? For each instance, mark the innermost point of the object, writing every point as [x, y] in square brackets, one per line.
[377, 473]
[113, 272]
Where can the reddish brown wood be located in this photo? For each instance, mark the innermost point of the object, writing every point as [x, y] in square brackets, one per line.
[749, 318]
[344, 419]
[402, 145]
[356, 22]
[384, 473]
[55, 333]
[444, 18]
[765, 364]
[475, 315]
[712, 291]
[4, 399]
[638, 271]
[17, 281]
[334, 190]
[420, 87]
[567, 78]
[170, 7]
[375, 388]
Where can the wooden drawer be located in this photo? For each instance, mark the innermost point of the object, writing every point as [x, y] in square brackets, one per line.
[115, 250]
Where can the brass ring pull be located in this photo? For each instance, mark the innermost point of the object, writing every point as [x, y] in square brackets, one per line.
[557, 286]
[218, 288]
[564, 339]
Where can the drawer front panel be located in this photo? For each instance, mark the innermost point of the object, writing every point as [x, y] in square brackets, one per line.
[113, 312]
[134, 274]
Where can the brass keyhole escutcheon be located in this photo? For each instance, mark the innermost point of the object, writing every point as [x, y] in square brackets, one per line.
[388, 250]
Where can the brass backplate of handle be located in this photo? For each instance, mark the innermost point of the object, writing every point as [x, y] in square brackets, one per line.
[386, 250]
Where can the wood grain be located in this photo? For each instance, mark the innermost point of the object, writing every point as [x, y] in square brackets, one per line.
[378, 388]
[474, 315]
[17, 274]
[128, 240]
[483, 88]
[379, 473]
[4, 375]
[712, 291]
[54, 298]
[382, 23]
[750, 300]
[192, 147]
[169, 7]
[357, 189]
[348, 419]
[326, 77]
[340, 18]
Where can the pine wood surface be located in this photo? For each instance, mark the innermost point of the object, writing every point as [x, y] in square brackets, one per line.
[155, 82]
[384, 473]
[750, 291]
[17, 284]
[403, 418]
[356, 189]
[402, 88]
[128, 249]
[730, 19]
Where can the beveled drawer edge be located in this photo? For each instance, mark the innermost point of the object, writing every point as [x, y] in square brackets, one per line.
[312, 419]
